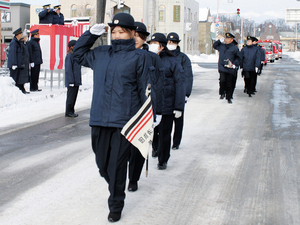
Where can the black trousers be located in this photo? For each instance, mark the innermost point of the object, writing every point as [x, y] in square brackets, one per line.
[34, 79]
[164, 142]
[71, 99]
[249, 78]
[112, 153]
[178, 128]
[136, 163]
[226, 84]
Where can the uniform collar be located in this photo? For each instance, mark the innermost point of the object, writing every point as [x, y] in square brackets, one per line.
[126, 45]
[176, 51]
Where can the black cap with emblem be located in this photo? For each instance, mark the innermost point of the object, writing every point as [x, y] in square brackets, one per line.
[158, 37]
[34, 32]
[229, 35]
[123, 20]
[173, 37]
[141, 28]
[17, 31]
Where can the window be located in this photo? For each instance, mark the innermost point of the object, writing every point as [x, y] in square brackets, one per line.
[161, 13]
[88, 10]
[74, 10]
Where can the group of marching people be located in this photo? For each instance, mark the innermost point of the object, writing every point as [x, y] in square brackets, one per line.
[24, 56]
[250, 60]
[122, 72]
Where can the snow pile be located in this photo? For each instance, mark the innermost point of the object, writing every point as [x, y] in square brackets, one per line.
[294, 55]
[213, 58]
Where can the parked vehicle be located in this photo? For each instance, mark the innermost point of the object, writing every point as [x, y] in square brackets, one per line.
[275, 49]
[266, 60]
[267, 44]
[279, 47]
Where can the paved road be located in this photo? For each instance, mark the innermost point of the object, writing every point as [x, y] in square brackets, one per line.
[237, 164]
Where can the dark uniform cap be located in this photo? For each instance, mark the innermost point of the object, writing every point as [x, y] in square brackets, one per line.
[46, 6]
[57, 7]
[254, 39]
[123, 20]
[141, 28]
[234, 42]
[18, 31]
[229, 35]
[173, 37]
[249, 38]
[158, 37]
[34, 32]
[71, 43]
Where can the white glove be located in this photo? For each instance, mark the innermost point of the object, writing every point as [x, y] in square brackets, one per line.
[256, 69]
[186, 99]
[233, 67]
[177, 113]
[32, 65]
[262, 62]
[158, 119]
[222, 39]
[98, 29]
[147, 92]
[14, 67]
[71, 85]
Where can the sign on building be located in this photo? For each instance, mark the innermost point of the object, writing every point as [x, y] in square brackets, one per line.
[292, 15]
[176, 13]
[4, 4]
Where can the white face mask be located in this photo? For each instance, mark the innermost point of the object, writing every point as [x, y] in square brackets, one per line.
[171, 47]
[154, 48]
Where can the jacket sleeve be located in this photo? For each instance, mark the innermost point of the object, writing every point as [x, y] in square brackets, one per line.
[159, 79]
[30, 52]
[69, 73]
[43, 13]
[188, 72]
[258, 59]
[242, 58]
[263, 54]
[82, 52]
[180, 91]
[13, 54]
[238, 58]
[62, 19]
[217, 44]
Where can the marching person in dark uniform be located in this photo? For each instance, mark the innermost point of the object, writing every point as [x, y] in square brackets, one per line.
[262, 58]
[173, 98]
[45, 16]
[173, 46]
[15, 60]
[120, 81]
[24, 73]
[57, 16]
[250, 65]
[35, 55]
[229, 61]
[136, 160]
[72, 80]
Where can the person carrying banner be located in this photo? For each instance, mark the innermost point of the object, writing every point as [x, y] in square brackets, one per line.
[136, 160]
[173, 100]
[120, 80]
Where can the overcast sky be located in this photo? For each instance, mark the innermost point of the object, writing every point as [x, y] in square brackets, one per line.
[257, 10]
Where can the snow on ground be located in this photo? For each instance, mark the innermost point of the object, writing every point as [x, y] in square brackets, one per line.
[294, 55]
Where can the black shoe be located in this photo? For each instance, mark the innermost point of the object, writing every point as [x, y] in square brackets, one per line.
[175, 147]
[71, 115]
[162, 166]
[132, 186]
[114, 216]
[25, 92]
[222, 96]
[154, 153]
[245, 90]
[250, 95]
[229, 101]
[35, 90]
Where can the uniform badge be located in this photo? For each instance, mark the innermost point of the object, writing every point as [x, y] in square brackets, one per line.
[116, 21]
[153, 37]
[171, 36]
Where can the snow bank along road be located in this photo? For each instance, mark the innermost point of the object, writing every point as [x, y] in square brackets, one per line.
[237, 164]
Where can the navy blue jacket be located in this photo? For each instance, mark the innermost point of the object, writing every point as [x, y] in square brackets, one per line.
[174, 85]
[157, 79]
[24, 72]
[262, 53]
[35, 52]
[187, 68]
[14, 53]
[58, 19]
[120, 79]
[72, 71]
[46, 17]
[250, 58]
[227, 51]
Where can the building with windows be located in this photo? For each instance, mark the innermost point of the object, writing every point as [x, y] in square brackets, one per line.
[165, 16]
[17, 16]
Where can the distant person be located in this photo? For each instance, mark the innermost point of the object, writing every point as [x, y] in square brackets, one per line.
[35, 58]
[45, 16]
[24, 73]
[250, 65]
[72, 80]
[229, 61]
[262, 58]
[57, 16]
[173, 46]
[14, 61]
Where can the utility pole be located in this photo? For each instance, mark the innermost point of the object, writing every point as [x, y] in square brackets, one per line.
[101, 11]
